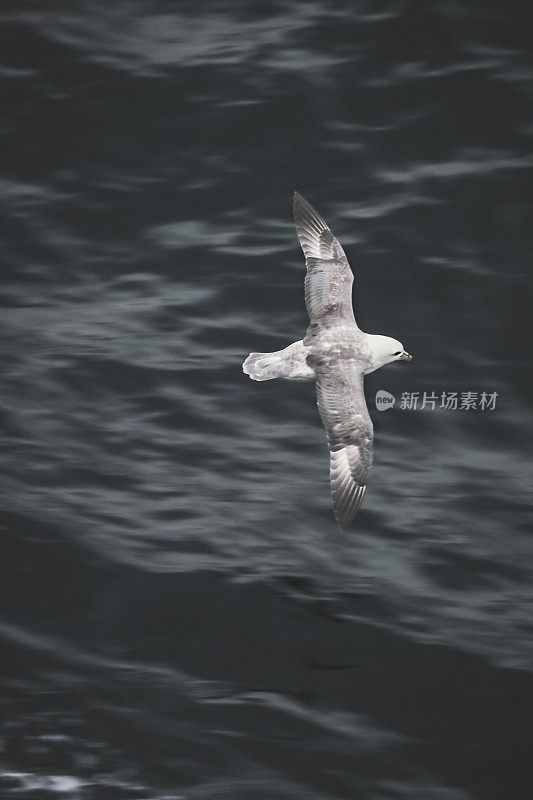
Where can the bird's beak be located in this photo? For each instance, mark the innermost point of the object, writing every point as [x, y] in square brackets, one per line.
[405, 356]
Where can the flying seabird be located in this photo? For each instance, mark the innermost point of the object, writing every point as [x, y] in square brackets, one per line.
[337, 355]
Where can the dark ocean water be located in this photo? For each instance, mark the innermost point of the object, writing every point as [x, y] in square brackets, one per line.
[180, 617]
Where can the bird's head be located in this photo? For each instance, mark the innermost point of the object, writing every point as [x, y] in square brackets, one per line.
[384, 349]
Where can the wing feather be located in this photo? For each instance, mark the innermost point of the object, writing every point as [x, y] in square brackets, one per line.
[342, 407]
[329, 279]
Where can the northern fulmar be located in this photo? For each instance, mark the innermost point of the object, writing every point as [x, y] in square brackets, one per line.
[337, 355]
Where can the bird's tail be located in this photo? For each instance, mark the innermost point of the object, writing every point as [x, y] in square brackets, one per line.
[265, 366]
[290, 363]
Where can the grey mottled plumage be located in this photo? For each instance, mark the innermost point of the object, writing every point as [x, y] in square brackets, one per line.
[337, 354]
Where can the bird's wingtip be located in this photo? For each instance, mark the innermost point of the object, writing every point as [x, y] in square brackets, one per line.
[299, 203]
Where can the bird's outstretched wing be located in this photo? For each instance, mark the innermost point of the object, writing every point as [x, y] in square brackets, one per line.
[328, 283]
[342, 406]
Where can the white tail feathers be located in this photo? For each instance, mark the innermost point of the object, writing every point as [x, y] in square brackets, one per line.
[265, 366]
[290, 363]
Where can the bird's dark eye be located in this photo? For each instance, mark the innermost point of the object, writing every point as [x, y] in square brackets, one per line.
[398, 353]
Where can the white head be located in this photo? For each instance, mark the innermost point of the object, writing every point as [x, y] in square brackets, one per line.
[384, 349]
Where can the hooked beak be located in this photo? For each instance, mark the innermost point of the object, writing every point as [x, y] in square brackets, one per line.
[405, 356]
